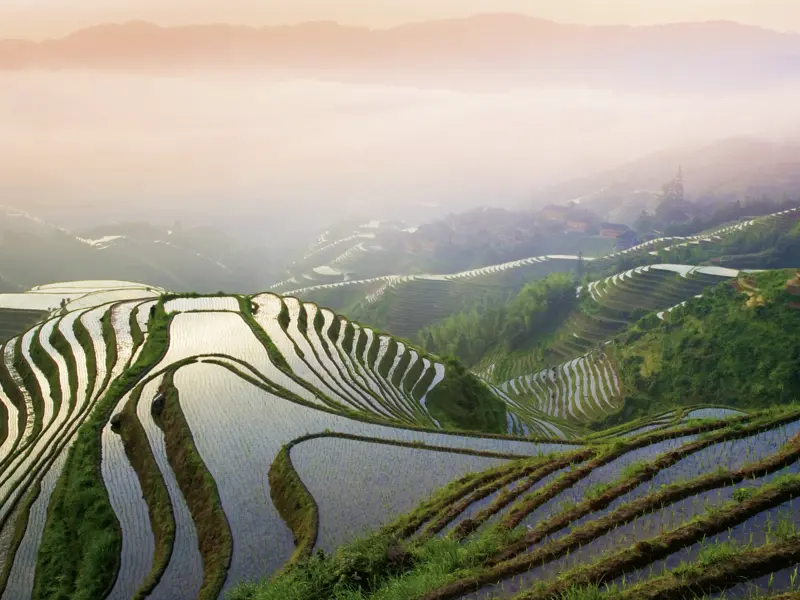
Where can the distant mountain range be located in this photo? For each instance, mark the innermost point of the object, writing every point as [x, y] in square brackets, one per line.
[483, 48]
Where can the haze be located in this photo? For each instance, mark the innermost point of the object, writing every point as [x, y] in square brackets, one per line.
[48, 18]
[130, 145]
[279, 132]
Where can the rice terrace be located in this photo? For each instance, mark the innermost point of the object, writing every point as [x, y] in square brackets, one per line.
[160, 445]
[399, 300]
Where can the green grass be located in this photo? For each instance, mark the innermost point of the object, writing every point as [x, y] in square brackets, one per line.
[49, 368]
[335, 329]
[294, 503]
[79, 552]
[402, 366]
[718, 349]
[377, 568]
[302, 318]
[14, 394]
[413, 375]
[200, 491]
[110, 336]
[708, 555]
[275, 355]
[388, 359]
[349, 335]
[85, 340]
[284, 318]
[136, 333]
[361, 345]
[154, 491]
[19, 527]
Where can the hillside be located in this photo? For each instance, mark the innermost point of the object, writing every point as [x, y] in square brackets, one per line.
[546, 349]
[406, 303]
[35, 252]
[697, 503]
[679, 499]
[128, 407]
[736, 345]
[511, 48]
[178, 446]
[462, 242]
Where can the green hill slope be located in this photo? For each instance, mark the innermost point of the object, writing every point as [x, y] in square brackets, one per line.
[737, 345]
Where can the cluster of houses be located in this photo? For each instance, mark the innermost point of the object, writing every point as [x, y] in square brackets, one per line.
[575, 219]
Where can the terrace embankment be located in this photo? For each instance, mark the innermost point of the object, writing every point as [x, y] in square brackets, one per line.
[642, 474]
[294, 503]
[156, 495]
[200, 491]
[506, 565]
[530, 503]
[81, 543]
[697, 580]
[645, 552]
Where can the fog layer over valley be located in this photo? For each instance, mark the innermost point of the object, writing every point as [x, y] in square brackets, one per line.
[279, 157]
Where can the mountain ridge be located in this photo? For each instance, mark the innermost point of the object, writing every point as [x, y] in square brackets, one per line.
[528, 47]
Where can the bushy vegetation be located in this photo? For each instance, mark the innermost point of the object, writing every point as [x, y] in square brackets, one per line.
[521, 323]
[729, 347]
[376, 567]
[462, 401]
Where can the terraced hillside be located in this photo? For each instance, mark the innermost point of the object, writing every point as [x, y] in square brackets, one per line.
[14, 321]
[403, 305]
[566, 373]
[176, 447]
[702, 503]
[148, 443]
[732, 344]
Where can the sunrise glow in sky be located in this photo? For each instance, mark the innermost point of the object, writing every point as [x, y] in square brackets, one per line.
[52, 18]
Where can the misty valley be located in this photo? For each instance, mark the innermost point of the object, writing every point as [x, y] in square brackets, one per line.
[479, 308]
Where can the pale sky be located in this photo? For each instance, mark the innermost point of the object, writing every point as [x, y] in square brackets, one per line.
[36, 19]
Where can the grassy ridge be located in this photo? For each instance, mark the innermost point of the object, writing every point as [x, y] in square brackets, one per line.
[444, 568]
[110, 335]
[154, 490]
[79, 552]
[275, 355]
[200, 491]
[20, 525]
[294, 503]
[85, 340]
[136, 333]
[49, 369]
